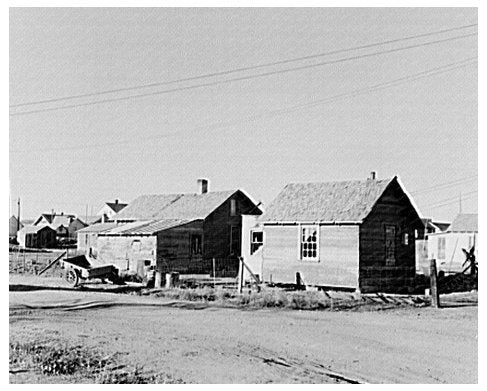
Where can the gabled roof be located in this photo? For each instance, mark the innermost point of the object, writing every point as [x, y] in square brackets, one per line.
[59, 220]
[34, 228]
[49, 217]
[466, 222]
[116, 206]
[173, 206]
[99, 227]
[344, 201]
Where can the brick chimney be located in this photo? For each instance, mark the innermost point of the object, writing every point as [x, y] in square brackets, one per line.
[202, 186]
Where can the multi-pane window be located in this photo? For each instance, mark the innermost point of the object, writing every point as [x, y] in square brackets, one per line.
[390, 245]
[196, 244]
[256, 240]
[441, 248]
[309, 243]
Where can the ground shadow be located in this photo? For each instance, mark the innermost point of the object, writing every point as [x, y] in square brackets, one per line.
[82, 288]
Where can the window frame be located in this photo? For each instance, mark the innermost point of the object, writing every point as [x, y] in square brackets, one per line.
[191, 244]
[253, 243]
[390, 261]
[302, 242]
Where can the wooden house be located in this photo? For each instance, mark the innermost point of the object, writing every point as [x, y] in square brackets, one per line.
[446, 247]
[65, 225]
[109, 210]
[42, 236]
[354, 234]
[178, 232]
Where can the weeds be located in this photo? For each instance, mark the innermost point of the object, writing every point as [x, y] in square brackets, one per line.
[56, 359]
[135, 376]
[268, 298]
[79, 363]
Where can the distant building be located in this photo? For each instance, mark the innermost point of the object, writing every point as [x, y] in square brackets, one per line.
[65, 225]
[109, 210]
[13, 226]
[446, 247]
[422, 260]
[41, 236]
[352, 234]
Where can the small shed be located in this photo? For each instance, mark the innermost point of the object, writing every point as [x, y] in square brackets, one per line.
[350, 234]
[446, 247]
[33, 236]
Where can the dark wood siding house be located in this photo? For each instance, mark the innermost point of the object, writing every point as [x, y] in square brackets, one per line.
[351, 234]
[179, 232]
[36, 236]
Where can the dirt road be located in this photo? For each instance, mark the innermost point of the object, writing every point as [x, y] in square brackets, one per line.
[217, 345]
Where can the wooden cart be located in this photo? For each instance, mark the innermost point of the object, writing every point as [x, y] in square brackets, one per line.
[79, 269]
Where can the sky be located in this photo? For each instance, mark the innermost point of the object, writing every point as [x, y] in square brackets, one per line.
[241, 133]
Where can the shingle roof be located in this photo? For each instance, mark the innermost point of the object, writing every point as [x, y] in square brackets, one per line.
[330, 201]
[173, 206]
[99, 227]
[466, 222]
[34, 228]
[154, 227]
[49, 216]
[59, 220]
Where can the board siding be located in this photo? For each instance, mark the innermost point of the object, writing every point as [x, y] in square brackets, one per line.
[393, 208]
[174, 250]
[338, 263]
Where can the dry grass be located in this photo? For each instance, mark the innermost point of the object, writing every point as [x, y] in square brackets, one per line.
[57, 362]
[270, 298]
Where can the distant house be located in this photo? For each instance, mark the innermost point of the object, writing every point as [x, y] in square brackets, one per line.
[65, 225]
[41, 236]
[13, 227]
[422, 259]
[177, 232]
[109, 210]
[353, 234]
[446, 247]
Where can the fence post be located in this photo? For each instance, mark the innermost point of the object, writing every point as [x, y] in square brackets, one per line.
[240, 275]
[214, 274]
[435, 295]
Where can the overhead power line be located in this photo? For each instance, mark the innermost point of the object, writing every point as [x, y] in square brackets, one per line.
[444, 185]
[249, 77]
[350, 94]
[248, 68]
[449, 203]
[446, 201]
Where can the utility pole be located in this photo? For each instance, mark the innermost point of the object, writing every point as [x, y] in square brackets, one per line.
[460, 206]
[18, 215]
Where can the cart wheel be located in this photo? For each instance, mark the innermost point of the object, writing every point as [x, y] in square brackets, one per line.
[72, 277]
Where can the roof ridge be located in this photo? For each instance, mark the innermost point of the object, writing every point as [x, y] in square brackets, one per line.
[342, 181]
